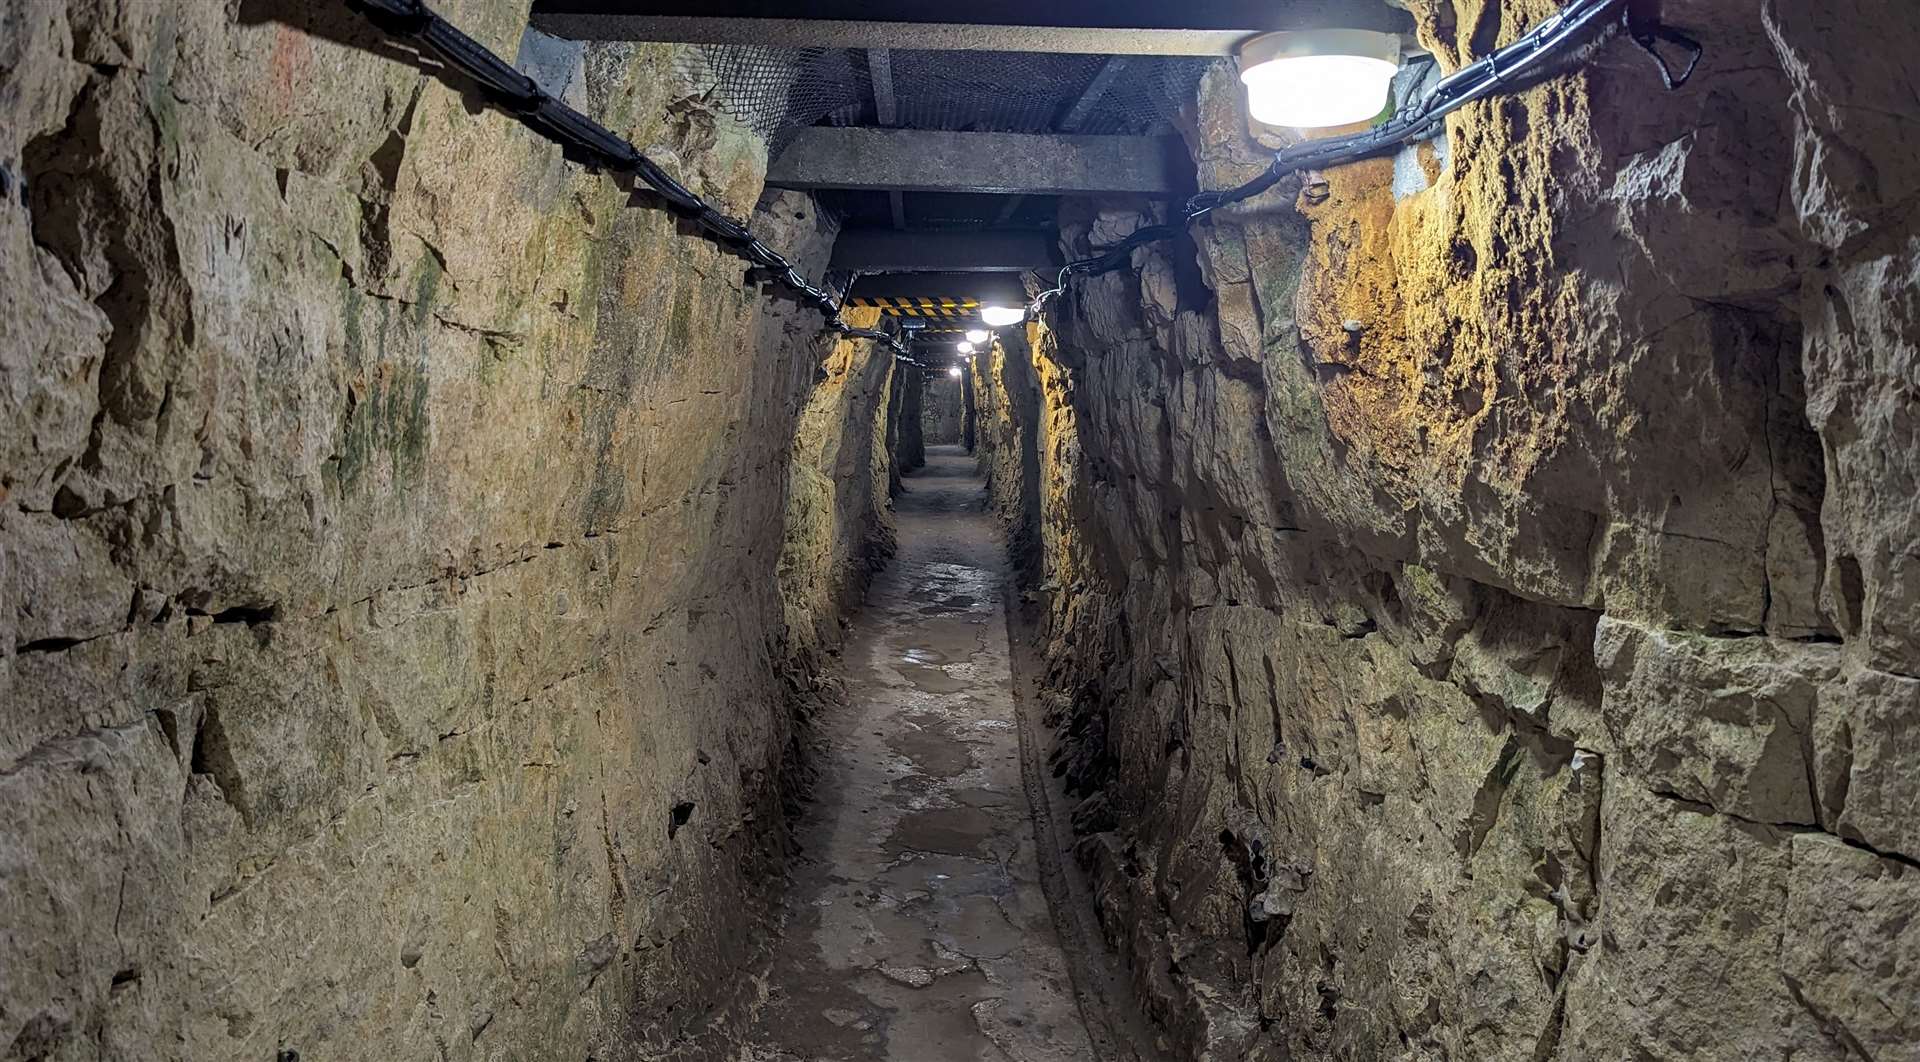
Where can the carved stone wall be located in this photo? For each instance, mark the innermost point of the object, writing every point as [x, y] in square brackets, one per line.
[1480, 584]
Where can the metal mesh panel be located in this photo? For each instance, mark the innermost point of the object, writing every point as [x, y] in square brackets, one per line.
[778, 90]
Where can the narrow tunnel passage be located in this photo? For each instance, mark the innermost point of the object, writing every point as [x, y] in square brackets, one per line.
[917, 926]
[713, 531]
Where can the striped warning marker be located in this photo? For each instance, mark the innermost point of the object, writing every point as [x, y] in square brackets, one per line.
[900, 306]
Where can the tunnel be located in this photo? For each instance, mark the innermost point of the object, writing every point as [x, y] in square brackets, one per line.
[613, 530]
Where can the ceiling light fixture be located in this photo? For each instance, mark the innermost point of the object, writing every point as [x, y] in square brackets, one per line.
[978, 335]
[1312, 79]
[954, 372]
[1001, 316]
[966, 348]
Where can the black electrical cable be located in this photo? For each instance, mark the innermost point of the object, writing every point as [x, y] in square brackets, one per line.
[583, 140]
[591, 144]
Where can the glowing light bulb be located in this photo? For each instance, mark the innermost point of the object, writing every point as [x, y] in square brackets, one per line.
[1001, 316]
[978, 335]
[966, 348]
[1318, 78]
[954, 372]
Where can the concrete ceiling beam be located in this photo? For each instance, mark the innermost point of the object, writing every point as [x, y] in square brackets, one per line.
[891, 251]
[986, 288]
[1097, 27]
[923, 160]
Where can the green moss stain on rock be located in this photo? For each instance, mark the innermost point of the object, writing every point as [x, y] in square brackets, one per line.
[426, 286]
[385, 415]
[604, 391]
[679, 327]
[161, 102]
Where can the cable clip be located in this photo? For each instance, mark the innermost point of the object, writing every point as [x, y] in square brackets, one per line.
[1648, 34]
[1493, 67]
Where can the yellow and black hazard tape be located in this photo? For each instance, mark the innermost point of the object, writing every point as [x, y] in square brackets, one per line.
[896, 306]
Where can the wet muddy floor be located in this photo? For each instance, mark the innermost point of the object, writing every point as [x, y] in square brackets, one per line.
[917, 927]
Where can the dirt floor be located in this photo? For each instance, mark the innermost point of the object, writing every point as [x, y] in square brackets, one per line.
[918, 927]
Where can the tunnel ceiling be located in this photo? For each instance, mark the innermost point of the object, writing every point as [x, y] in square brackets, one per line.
[942, 211]
[1059, 71]
[778, 91]
[781, 91]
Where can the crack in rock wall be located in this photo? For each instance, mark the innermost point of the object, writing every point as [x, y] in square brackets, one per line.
[1481, 607]
[392, 649]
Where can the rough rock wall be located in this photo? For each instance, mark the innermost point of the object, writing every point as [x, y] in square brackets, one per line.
[387, 552]
[942, 408]
[1487, 597]
[909, 444]
[839, 525]
[1008, 445]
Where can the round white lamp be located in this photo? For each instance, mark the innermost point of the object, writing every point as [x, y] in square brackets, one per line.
[1001, 316]
[954, 372]
[1312, 79]
[978, 335]
[966, 348]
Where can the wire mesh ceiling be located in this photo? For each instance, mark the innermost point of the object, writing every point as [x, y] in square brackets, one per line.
[777, 91]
